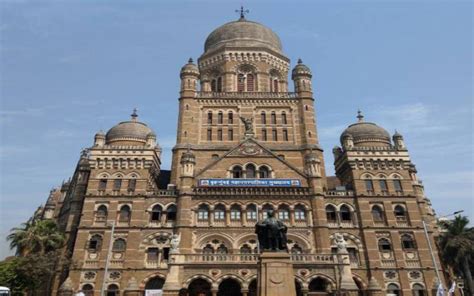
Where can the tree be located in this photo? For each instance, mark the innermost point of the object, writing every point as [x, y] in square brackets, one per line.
[36, 236]
[456, 247]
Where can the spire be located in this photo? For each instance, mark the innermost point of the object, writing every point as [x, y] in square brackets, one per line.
[242, 12]
[134, 114]
[360, 117]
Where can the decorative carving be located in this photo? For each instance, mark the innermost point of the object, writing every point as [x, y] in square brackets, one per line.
[248, 123]
[391, 274]
[414, 275]
[174, 243]
[341, 243]
[89, 275]
[115, 275]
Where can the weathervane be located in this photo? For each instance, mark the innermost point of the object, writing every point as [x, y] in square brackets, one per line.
[242, 12]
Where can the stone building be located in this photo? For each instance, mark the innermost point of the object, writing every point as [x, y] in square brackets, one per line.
[245, 145]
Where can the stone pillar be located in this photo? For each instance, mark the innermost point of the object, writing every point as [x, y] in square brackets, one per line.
[275, 275]
[244, 292]
[214, 291]
[132, 288]
[173, 278]
[347, 282]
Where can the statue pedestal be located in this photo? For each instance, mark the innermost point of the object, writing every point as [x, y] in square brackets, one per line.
[275, 275]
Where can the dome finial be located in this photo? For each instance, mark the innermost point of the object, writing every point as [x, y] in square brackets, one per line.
[190, 61]
[360, 117]
[300, 61]
[242, 12]
[134, 114]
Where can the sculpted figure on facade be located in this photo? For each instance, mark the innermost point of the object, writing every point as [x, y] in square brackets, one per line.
[271, 233]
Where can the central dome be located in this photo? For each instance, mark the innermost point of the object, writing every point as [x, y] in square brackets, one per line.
[243, 33]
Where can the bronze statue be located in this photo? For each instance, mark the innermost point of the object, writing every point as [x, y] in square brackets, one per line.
[271, 234]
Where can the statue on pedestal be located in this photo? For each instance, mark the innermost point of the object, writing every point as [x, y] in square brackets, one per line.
[271, 234]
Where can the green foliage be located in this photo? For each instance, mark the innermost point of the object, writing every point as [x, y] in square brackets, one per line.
[456, 246]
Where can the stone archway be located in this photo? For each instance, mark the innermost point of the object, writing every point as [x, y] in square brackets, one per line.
[253, 288]
[199, 287]
[229, 287]
[155, 283]
[318, 286]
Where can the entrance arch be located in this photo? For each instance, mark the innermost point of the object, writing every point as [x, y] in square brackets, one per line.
[199, 287]
[253, 288]
[318, 286]
[229, 287]
[155, 283]
[298, 288]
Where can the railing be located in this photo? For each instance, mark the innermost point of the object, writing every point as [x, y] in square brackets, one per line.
[253, 258]
[91, 263]
[163, 192]
[388, 262]
[252, 191]
[340, 193]
[246, 95]
[412, 263]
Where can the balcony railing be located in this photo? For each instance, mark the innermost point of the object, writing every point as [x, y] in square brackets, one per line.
[340, 193]
[253, 258]
[246, 95]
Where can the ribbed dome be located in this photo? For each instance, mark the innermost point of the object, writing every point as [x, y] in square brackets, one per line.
[366, 134]
[190, 69]
[243, 33]
[301, 70]
[129, 131]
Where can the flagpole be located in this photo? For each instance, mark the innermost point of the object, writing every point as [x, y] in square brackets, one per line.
[258, 243]
[440, 284]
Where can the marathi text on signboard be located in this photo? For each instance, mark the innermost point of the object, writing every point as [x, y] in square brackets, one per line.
[249, 183]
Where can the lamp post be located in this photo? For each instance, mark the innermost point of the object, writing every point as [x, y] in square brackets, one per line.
[431, 248]
[107, 259]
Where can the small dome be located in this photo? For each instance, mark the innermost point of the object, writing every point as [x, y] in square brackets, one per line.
[243, 33]
[301, 70]
[190, 69]
[366, 133]
[128, 133]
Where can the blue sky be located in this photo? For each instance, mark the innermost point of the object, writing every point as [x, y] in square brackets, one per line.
[71, 68]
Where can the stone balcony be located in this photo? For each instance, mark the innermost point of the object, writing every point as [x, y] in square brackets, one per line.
[246, 95]
[212, 259]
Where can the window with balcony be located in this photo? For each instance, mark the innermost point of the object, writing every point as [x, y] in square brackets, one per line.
[219, 213]
[384, 245]
[203, 213]
[95, 243]
[156, 212]
[400, 214]
[152, 254]
[235, 213]
[377, 214]
[101, 214]
[119, 246]
[125, 214]
[408, 243]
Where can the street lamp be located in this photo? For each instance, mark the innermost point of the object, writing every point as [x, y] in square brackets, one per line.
[107, 259]
[440, 285]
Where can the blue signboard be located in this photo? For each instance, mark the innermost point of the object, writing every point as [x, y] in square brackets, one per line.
[249, 183]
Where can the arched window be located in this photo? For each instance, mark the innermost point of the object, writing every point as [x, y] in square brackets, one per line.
[124, 214]
[408, 243]
[102, 184]
[119, 245]
[284, 213]
[219, 134]
[250, 171]
[274, 135]
[331, 214]
[285, 135]
[345, 214]
[220, 117]
[117, 184]
[219, 213]
[101, 214]
[88, 290]
[203, 213]
[377, 214]
[263, 117]
[219, 84]
[171, 213]
[397, 184]
[369, 186]
[273, 118]
[209, 134]
[283, 118]
[300, 213]
[275, 85]
[400, 213]
[209, 118]
[393, 289]
[214, 85]
[230, 134]
[230, 118]
[418, 290]
[245, 249]
[241, 83]
[156, 213]
[318, 285]
[95, 243]
[266, 208]
[250, 82]
[237, 172]
[385, 245]
[132, 184]
[264, 135]
[383, 185]
[263, 172]
[235, 213]
[251, 213]
[113, 290]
